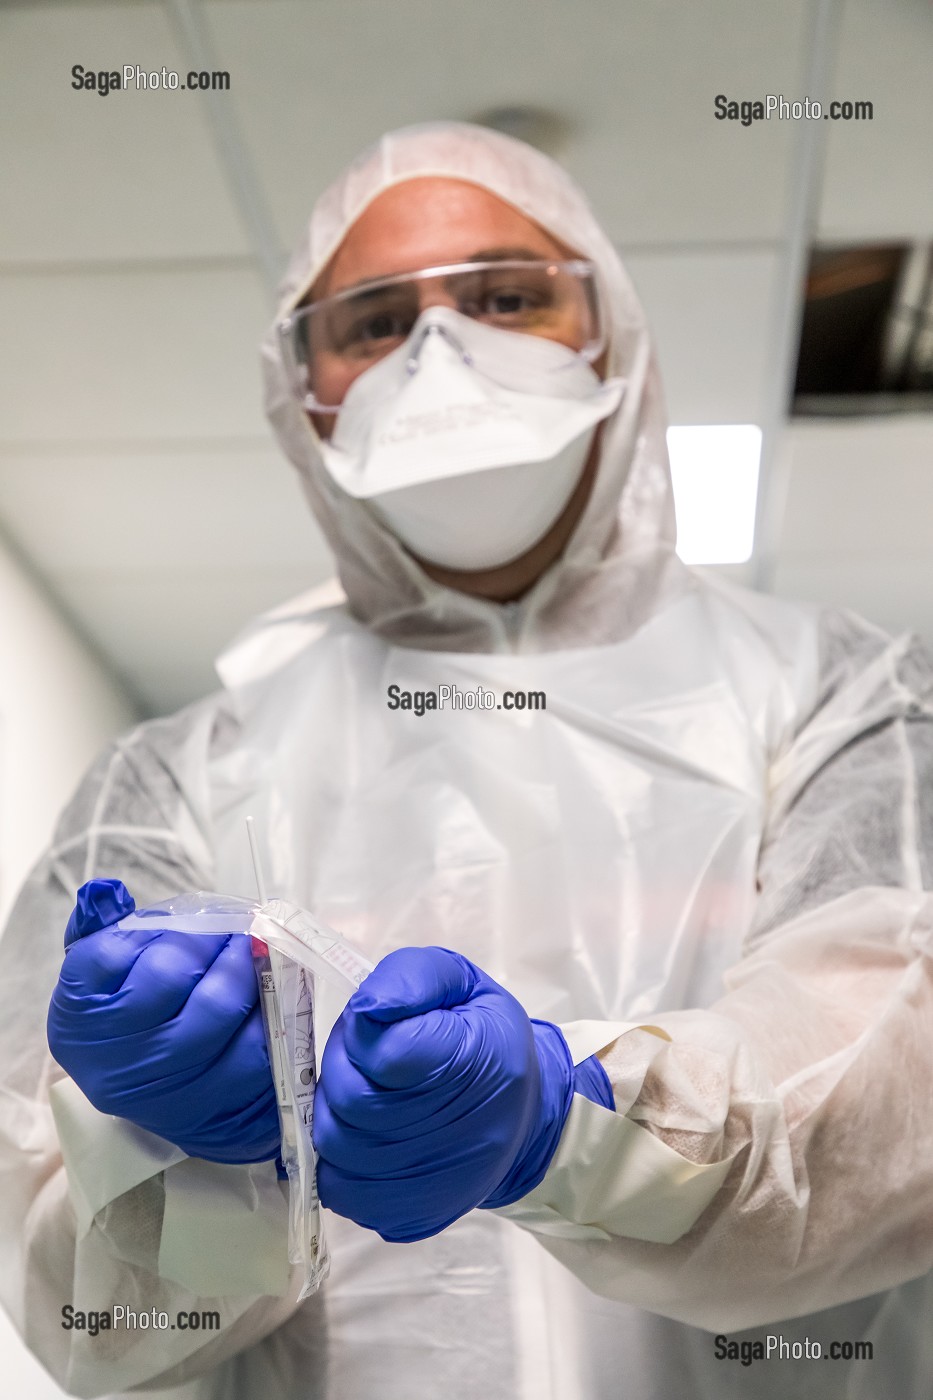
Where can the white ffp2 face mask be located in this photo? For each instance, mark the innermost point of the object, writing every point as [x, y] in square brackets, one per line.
[468, 441]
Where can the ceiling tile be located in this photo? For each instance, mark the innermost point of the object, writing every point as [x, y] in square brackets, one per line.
[131, 175]
[152, 509]
[635, 84]
[858, 486]
[858, 521]
[156, 355]
[878, 180]
[709, 316]
[893, 591]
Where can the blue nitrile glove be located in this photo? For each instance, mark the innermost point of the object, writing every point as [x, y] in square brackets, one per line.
[438, 1094]
[165, 1029]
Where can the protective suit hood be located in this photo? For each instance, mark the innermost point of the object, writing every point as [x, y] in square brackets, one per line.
[620, 560]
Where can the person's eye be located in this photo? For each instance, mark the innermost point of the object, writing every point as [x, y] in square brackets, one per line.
[384, 325]
[367, 326]
[370, 333]
[506, 302]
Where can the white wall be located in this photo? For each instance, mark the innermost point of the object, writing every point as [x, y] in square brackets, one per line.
[57, 708]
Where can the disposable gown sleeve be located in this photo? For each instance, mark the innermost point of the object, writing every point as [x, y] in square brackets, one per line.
[772, 1155]
[134, 818]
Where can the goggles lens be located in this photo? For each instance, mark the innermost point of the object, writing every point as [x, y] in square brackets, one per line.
[330, 342]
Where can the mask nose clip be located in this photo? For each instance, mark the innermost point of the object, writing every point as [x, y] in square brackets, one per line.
[432, 327]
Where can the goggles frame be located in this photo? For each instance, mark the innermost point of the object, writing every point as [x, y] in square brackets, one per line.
[288, 327]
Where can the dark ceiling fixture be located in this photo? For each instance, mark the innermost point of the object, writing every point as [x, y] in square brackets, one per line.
[866, 343]
[539, 126]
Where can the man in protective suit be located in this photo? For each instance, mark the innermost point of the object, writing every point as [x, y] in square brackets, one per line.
[642, 1076]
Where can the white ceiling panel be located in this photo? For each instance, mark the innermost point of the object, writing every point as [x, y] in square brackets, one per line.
[893, 591]
[315, 83]
[878, 180]
[165, 627]
[131, 175]
[858, 521]
[858, 486]
[150, 509]
[709, 315]
[155, 355]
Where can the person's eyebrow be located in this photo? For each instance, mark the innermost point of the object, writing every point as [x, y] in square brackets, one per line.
[516, 253]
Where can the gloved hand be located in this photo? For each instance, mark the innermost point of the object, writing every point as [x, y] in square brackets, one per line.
[165, 1029]
[438, 1094]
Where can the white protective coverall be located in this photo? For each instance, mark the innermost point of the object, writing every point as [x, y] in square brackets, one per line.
[716, 829]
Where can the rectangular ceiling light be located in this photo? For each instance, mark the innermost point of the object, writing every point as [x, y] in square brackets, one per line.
[715, 472]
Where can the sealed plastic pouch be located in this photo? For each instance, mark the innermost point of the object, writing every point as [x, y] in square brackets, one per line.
[291, 949]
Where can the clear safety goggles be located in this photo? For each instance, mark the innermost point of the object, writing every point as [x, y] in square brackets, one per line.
[329, 343]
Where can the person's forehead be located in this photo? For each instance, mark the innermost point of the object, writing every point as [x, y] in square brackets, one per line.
[429, 221]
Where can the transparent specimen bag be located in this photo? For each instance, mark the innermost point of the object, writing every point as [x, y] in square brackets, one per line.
[293, 952]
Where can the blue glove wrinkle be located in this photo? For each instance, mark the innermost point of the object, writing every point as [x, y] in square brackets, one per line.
[591, 1080]
[114, 974]
[97, 904]
[557, 1094]
[397, 990]
[405, 1054]
[358, 1122]
[360, 1103]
